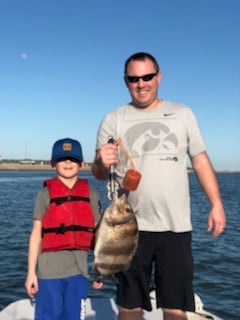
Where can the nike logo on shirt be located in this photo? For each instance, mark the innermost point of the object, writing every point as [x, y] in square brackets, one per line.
[168, 114]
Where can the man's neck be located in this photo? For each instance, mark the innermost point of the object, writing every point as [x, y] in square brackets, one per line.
[155, 104]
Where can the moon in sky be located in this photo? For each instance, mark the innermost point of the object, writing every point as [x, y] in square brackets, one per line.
[23, 56]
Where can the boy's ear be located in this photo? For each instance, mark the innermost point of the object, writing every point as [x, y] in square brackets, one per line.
[53, 164]
[81, 164]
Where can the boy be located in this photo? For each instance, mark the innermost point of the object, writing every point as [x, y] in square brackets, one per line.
[65, 212]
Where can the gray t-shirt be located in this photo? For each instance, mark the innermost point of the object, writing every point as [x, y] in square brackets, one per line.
[158, 141]
[65, 263]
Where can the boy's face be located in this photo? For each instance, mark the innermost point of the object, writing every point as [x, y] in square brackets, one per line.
[67, 168]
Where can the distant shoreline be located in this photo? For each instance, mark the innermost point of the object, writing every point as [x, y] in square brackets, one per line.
[47, 167]
[31, 167]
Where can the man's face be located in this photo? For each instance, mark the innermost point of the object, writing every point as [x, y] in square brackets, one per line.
[144, 93]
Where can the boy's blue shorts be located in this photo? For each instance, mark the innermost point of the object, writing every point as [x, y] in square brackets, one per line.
[61, 299]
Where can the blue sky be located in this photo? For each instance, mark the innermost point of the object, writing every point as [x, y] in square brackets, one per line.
[62, 68]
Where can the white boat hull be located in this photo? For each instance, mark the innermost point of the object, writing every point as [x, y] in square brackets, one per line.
[97, 309]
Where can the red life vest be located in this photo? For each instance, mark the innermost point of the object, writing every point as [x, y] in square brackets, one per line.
[69, 221]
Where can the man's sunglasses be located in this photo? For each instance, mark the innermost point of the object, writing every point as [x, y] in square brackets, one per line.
[146, 77]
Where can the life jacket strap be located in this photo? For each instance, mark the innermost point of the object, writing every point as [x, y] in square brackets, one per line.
[61, 200]
[62, 229]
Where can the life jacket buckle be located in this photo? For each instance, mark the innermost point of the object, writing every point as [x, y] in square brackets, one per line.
[62, 229]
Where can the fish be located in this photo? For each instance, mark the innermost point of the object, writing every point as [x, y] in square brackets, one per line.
[116, 238]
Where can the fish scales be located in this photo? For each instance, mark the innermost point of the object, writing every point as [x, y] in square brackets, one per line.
[116, 238]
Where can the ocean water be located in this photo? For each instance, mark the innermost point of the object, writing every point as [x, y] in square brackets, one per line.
[217, 261]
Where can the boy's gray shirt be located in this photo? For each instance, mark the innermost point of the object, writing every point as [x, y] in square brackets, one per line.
[158, 141]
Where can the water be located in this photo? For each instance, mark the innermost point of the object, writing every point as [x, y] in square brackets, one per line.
[217, 261]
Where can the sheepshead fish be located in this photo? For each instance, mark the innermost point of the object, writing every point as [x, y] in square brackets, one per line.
[116, 238]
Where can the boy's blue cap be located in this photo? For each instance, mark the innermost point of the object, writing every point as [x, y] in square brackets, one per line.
[67, 148]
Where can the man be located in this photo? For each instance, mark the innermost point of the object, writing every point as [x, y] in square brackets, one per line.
[158, 134]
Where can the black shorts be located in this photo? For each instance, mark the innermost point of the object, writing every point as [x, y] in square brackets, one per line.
[165, 260]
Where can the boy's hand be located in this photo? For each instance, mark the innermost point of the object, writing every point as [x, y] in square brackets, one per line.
[97, 284]
[31, 285]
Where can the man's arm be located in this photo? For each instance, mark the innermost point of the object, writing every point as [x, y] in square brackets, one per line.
[99, 170]
[105, 156]
[207, 178]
